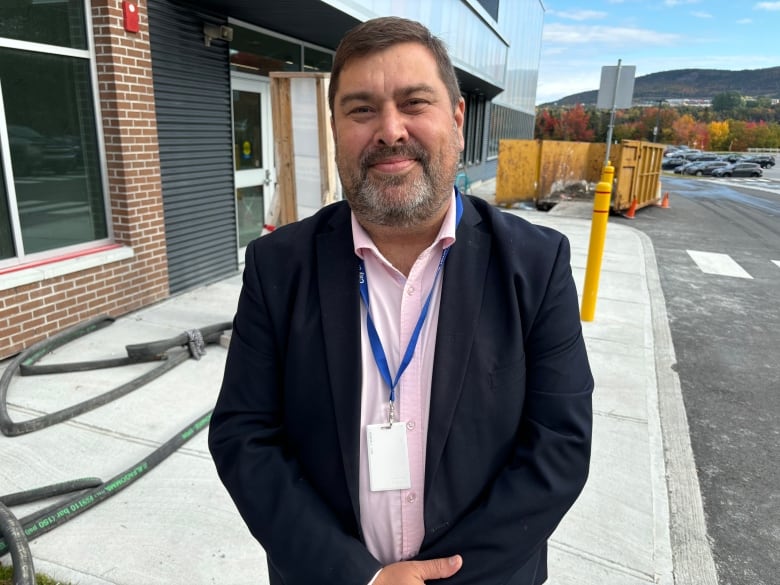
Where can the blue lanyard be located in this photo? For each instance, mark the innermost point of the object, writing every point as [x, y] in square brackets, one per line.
[373, 337]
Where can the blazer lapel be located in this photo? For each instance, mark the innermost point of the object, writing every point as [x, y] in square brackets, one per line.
[337, 269]
[461, 299]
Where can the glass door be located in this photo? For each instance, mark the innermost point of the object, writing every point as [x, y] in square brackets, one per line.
[253, 155]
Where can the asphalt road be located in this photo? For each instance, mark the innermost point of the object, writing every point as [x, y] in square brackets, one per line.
[724, 314]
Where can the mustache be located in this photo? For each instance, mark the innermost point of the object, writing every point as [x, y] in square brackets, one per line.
[408, 150]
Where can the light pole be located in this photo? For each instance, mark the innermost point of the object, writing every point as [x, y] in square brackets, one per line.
[657, 128]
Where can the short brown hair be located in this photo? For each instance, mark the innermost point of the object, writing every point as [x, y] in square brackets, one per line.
[379, 34]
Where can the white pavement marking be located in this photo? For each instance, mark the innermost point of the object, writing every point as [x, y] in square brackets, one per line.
[776, 262]
[720, 264]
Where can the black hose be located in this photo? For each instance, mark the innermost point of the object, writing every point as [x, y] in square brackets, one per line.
[14, 533]
[13, 429]
[154, 349]
[21, 557]
[26, 370]
[49, 491]
[55, 515]
[36, 351]
[168, 351]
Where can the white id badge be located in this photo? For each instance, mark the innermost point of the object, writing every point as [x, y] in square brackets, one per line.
[388, 457]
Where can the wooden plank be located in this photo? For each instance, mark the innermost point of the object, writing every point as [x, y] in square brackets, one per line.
[328, 176]
[281, 106]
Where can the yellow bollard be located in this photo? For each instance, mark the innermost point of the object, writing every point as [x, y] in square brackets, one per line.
[608, 173]
[598, 233]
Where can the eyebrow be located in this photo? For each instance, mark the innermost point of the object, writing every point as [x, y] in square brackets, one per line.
[401, 93]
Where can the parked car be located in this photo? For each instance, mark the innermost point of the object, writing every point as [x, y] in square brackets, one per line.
[704, 167]
[691, 153]
[671, 162]
[765, 160]
[680, 170]
[739, 169]
[31, 150]
[703, 157]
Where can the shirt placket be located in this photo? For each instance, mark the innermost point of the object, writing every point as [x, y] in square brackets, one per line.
[410, 403]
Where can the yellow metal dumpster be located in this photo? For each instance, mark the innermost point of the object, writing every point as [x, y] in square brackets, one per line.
[547, 172]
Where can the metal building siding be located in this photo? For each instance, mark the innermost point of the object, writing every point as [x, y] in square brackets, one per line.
[193, 102]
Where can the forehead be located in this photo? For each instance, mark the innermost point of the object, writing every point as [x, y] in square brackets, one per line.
[397, 66]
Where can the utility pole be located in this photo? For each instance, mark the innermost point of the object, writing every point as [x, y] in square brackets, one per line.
[657, 128]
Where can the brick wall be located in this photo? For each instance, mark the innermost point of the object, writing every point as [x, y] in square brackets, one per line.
[32, 312]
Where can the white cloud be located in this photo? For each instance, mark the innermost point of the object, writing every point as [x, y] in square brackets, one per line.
[579, 14]
[679, 2]
[767, 6]
[606, 35]
[744, 21]
[698, 14]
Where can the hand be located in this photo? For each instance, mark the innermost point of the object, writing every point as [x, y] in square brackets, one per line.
[418, 572]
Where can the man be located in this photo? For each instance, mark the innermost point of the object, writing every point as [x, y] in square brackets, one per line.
[407, 395]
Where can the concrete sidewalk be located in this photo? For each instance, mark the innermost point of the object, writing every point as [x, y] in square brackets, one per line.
[177, 524]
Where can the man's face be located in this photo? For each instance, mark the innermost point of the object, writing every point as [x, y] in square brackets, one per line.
[398, 137]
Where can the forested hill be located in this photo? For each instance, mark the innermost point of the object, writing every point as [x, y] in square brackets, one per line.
[693, 84]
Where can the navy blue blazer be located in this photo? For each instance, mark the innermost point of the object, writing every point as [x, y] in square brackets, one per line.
[509, 433]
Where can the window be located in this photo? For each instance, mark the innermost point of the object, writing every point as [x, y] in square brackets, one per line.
[51, 195]
[49, 22]
[507, 123]
[314, 60]
[473, 128]
[257, 52]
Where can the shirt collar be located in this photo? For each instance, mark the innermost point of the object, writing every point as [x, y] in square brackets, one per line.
[362, 241]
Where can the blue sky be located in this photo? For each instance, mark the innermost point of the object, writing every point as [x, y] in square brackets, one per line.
[654, 35]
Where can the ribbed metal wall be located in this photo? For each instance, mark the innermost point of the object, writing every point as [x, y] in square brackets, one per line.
[193, 103]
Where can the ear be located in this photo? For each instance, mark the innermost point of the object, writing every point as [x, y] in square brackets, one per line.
[459, 115]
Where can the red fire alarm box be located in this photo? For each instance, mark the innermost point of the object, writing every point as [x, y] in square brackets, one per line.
[130, 16]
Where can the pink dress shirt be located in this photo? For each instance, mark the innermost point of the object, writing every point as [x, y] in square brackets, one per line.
[392, 521]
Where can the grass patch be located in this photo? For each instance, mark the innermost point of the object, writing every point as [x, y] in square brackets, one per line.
[7, 577]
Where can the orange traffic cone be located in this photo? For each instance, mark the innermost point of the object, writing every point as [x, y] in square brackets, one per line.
[631, 213]
[665, 201]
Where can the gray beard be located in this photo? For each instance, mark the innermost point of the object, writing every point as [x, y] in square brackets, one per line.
[423, 198]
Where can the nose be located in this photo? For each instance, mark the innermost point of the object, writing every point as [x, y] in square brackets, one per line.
[391, 127]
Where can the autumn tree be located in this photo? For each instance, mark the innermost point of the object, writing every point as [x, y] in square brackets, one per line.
[683, 128]
[719, 135]
[547, 125]
[757, 126]
[575, 125]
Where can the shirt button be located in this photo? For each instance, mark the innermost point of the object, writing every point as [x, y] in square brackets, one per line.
[410, 425]
[411, 498]
[410, 290]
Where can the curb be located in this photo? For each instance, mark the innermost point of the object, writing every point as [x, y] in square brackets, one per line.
[692, 560]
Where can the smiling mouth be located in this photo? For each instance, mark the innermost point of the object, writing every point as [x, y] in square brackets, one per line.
[393, 165]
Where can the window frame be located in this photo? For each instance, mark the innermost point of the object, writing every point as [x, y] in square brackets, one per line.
[19, 260]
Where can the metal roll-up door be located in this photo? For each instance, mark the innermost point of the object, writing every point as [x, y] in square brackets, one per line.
[192, 100]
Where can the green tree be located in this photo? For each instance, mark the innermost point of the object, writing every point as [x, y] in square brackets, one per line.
[727, 102]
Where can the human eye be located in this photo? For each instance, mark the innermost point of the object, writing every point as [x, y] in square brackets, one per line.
[415, 105]
[360, 111]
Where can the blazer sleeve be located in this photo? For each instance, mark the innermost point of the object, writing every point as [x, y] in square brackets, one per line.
[304, 539]
[548, 466]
